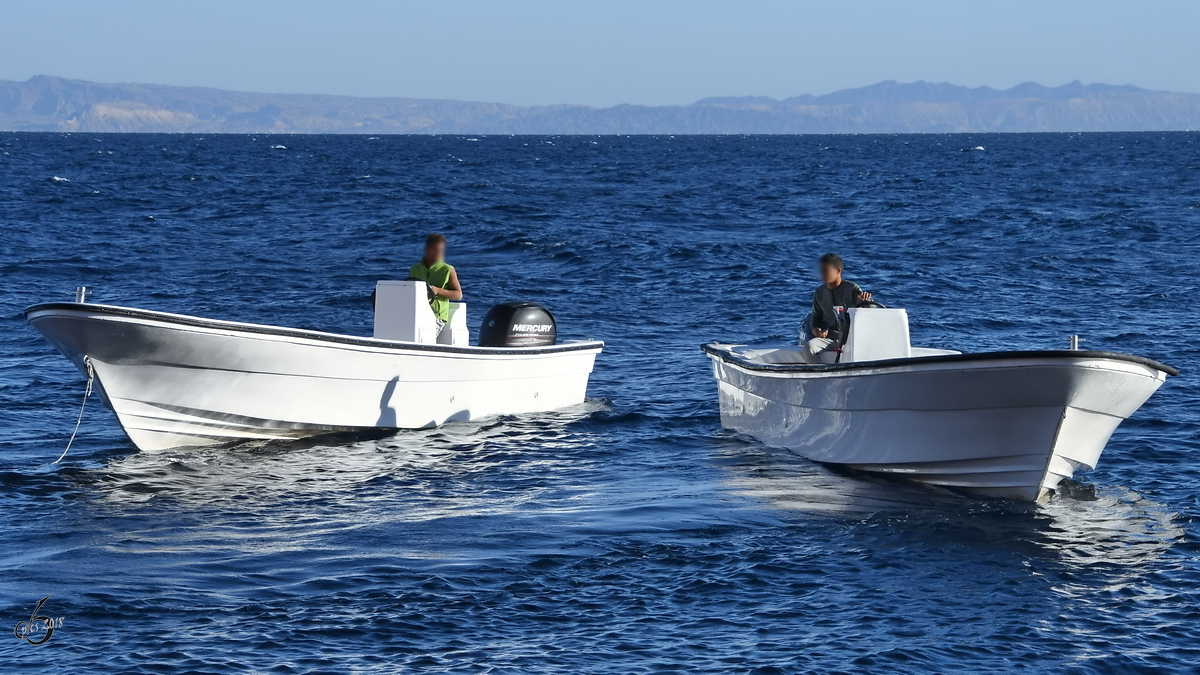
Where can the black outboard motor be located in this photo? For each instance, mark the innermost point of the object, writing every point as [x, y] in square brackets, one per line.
[518, 324]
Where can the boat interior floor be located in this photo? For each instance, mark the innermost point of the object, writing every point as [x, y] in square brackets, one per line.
[794, 354]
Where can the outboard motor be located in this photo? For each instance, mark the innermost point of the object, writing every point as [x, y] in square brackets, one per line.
[518, 324]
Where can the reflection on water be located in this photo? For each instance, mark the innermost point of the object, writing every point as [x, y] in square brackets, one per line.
[271, 474]
[788, 481]
[547, 465]
[1120, 528]
[1117, 528]
[601, 532]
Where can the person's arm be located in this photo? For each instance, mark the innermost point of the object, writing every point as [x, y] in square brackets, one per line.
[452, 291]
[818, 320]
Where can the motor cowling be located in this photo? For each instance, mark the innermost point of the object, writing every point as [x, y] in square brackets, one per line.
[518, 324]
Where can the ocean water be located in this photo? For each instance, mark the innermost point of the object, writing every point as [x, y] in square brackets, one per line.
[631, 534]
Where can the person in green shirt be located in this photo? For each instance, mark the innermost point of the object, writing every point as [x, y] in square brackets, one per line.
[441, 280]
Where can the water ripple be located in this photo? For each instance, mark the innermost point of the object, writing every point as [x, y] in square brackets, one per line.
[629, 534]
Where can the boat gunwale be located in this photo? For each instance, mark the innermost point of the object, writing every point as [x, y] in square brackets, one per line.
[723, 351]
[302, 333]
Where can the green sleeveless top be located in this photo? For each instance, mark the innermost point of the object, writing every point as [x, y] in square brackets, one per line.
[438, 275]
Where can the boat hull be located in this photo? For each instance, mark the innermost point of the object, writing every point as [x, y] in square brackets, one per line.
[177, 381]
[998, 425]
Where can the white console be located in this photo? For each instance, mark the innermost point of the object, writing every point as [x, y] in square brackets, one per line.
[877, 334]
[402, 313]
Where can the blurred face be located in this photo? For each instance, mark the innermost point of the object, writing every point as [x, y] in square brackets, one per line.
[829, 273]
[435, 252]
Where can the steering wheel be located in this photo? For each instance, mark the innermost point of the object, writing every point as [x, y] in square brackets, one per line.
[872, 303]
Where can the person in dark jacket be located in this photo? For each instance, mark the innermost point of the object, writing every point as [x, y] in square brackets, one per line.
[835, 292]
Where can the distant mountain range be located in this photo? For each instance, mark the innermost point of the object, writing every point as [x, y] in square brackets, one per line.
[45, 103]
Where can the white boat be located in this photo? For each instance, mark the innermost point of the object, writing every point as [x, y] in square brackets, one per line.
[1004, 424]
[175, 380]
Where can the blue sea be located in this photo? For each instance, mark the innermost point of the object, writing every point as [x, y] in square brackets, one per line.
[630, 534]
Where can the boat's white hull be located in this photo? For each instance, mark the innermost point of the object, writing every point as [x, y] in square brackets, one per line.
[994, 425]
[176, 381]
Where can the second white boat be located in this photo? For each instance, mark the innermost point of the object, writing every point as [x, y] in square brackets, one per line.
[1006, 424]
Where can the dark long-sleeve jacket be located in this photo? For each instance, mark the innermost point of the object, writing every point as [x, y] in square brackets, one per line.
[825, 299]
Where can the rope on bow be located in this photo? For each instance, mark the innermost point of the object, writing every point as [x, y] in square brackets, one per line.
[91, 373]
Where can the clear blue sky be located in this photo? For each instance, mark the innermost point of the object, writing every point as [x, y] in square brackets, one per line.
[600, 53]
